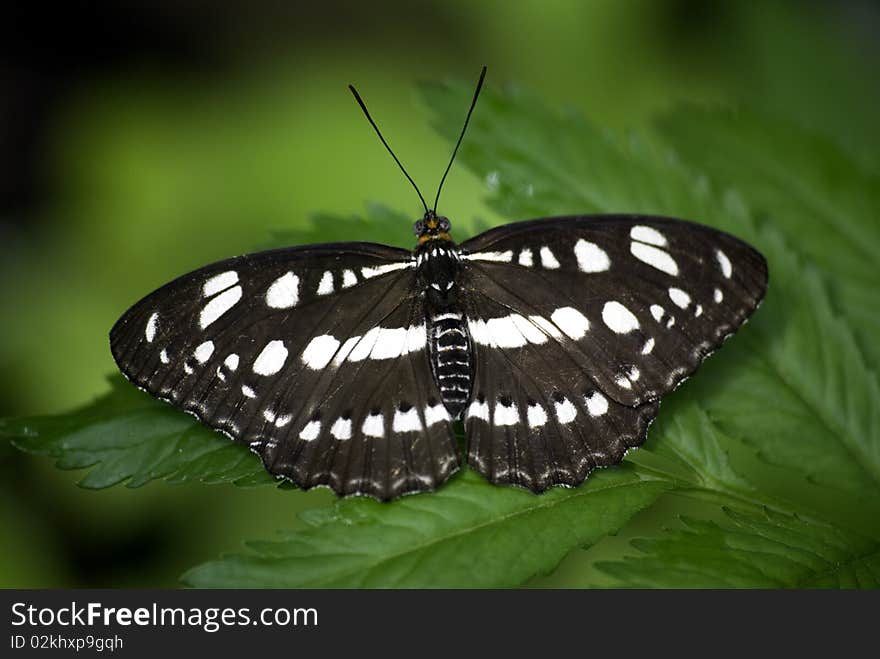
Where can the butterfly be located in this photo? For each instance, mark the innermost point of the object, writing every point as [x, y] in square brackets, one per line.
[347, 364]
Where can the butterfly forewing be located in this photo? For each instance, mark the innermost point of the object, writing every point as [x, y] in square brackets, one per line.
[314, 357]
[637, 302]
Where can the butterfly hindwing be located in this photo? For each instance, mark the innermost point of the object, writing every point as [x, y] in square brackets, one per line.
[536, 418]
[315, 357]
[373, 425]
[579, 325]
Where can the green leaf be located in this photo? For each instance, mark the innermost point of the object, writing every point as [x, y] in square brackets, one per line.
[801, 392]
[377, 224]
[467, 534]
[752, 550]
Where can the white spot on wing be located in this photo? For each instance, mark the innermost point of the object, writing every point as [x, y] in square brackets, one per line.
[362, 350]
[548, 259]
[626, 379]
[283, 420]
[571, 321]
[231, 362]
[591, 257]
[341, 429]
[416, 338]
[597, 404]
[525, 258]
[506, 415]
[500, 332]
[657, 311]
[436, 414]
[283, 293]
[618, 318]
[480, 332]
[389, 343]
[679, 297]
[383, 343]
[565, 411]
[504, 332]
[649, 346]
[374, 426]
[623, 382]
[548, 327]
[150, 329]
[654, 257]
[513, 331]
[220, 282]
[325, 286]
[311, 431]
[163, 356]
[378, 270]
[527, 329]
[345, 349]
[349, 279]
[204, 351]
[718, 296]
[219, 306]
[500, 257]
[406, 421]
[478, 410]
[536, 416]
[724, 262]
[647, 235]
[318, 353]
[271, 359]
[247, 391]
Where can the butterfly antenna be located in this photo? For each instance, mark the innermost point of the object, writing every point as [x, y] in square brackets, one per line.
[460, 137]
[360, 101]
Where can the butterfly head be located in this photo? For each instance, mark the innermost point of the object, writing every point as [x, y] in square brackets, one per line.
[432, 227]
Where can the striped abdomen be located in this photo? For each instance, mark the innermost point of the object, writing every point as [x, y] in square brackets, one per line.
[451, 359]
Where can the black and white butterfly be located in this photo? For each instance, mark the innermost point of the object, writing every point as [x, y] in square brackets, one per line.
[347, 364]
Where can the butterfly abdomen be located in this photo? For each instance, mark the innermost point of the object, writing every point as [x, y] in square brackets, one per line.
[451, 358]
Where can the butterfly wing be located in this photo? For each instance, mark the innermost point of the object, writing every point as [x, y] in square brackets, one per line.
[314, 357]
[537, 419]
[600, 316]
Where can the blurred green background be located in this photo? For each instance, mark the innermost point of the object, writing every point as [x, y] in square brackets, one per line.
[138, 144]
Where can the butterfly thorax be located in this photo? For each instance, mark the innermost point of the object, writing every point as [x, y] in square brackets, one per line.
[437, 262]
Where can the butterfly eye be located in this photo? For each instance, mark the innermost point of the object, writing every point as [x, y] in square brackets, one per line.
[444, 225]
[419, 228]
